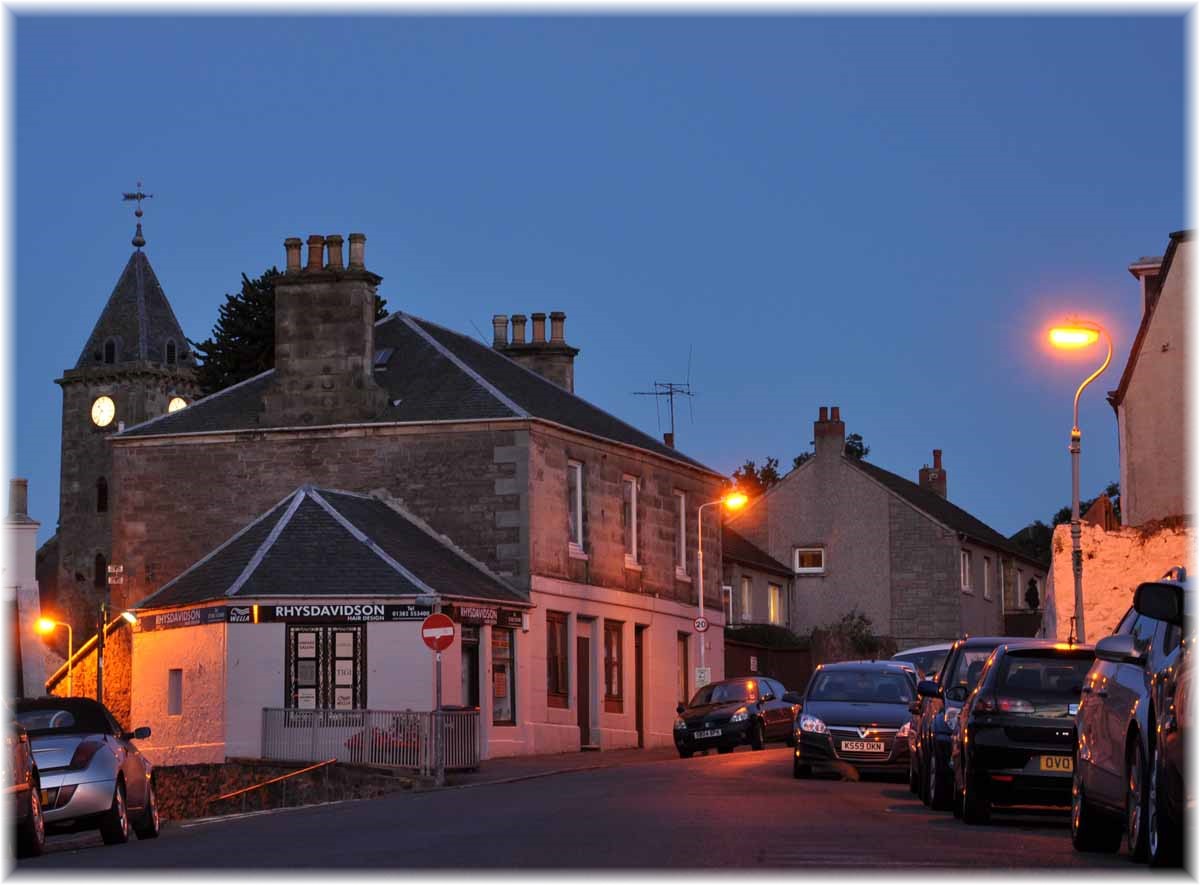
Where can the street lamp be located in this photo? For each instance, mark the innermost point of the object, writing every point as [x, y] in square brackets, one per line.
[735, 500]
[1074, 335]
[46, 626]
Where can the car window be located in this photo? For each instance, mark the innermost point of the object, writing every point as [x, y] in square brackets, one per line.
[1126, 623]
[726, 692]
[1143, 631]
[1049, 677]
[967, 668]
[1171, 635]
[775, 688]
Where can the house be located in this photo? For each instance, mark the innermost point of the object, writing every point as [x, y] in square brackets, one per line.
[581, 516]
[759, 587]
[1153, 412]
[858, 537]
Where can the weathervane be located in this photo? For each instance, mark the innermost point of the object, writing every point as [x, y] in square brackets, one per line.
[138, 239]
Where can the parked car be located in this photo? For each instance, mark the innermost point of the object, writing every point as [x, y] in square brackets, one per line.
[92, 776]
[748, 710]
[1132, 721]
[937, 716]
[21, 783]
[855, 713]
[1015, 740]
[927, 659]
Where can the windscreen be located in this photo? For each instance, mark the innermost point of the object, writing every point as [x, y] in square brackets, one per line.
[926, 662]
[725, 693]
[68, 718]
[1042, 678]
[862, 686]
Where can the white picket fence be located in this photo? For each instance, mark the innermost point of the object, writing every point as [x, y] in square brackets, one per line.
[395, 738]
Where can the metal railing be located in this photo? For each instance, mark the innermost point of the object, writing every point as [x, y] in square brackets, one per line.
[393, 738]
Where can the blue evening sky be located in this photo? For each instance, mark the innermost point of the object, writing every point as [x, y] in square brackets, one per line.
[877, 213]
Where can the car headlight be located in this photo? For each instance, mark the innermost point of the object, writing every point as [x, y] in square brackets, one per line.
[812, 724]
[740, 716]
[904, 730]
[680, 725]
[951, 717]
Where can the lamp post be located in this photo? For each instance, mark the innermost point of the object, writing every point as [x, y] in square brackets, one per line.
[735, 500]
[1074, 335]
[46, 626]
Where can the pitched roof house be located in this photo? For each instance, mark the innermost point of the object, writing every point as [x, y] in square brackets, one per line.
[856, 536]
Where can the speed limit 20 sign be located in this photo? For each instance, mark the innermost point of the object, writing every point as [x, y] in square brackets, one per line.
[701, 624]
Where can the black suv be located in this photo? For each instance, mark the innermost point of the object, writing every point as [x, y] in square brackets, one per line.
[937, 716]
[1129, 755]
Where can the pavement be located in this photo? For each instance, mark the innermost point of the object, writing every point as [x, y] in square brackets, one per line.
[518, 768]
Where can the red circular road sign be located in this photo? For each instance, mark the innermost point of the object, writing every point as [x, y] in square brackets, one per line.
[437, 631]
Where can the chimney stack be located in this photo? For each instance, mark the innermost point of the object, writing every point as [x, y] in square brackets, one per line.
[324, 339]
[499, 330]
[554, 360]
[18, 500]
[829, 433]
[933, 478]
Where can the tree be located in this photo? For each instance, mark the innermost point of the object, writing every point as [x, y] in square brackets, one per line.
[242, 344]
[1034, 539]
[855, 448]
[800, 459]
[754, 480]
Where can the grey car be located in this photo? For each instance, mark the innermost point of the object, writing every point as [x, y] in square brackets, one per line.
[91, 774]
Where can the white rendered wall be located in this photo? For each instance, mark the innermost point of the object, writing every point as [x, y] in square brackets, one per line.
[254, 679]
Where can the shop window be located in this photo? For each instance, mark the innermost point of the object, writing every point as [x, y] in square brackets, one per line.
[174, 692]
[504, 679]
[575, 506]
[774, 604]
[556, 659]
[102, 495]
[326, 667]
[612, 667]
[629, 526]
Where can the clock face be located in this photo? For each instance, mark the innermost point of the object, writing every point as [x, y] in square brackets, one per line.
[176, 403]
[103, 411]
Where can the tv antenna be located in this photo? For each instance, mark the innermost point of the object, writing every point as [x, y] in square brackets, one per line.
[671, 389]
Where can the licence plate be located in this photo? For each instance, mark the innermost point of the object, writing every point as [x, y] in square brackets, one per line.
[711, 733]
[864, 747]
[1056, 763]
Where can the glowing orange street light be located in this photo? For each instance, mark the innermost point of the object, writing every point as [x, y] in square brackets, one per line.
[1074, 335]
[45, 626]
[735, 500]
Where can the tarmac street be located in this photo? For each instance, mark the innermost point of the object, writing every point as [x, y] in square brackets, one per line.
[738, 810]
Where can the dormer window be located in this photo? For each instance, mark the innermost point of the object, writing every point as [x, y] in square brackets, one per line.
[110, 351]
[171, 351]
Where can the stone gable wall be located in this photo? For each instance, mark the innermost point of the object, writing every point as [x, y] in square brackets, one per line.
[925, 585]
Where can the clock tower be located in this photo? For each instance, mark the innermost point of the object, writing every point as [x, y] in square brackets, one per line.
[136, 365]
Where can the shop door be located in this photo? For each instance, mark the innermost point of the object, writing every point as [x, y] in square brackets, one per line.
[639, 693]
[470, 667]
[583, 680]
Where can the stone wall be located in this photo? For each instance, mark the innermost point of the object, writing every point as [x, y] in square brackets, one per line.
[925, 586]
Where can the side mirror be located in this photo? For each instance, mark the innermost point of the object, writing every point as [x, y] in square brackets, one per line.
[680, 709]
[957, 693]
[1120, 650]
[793, 697]
[927, 688]
[1163, 602]
[138, 734]
[768, 696]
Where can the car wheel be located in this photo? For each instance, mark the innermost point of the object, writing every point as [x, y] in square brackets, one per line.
[1090, 829]
[1162, 835]
[913, 778]
[149, 825]
[685, 754]
[31, 836]
[939, 800]
[1135, 802]
[975, 807]
[923, 780]
[757, 739]
[114, 827]
[800, 771]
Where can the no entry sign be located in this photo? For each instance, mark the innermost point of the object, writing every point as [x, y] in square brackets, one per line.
[437, 631]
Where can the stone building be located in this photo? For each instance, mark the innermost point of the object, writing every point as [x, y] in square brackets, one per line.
[758, 587]
[581, 515]
[858, 537]
[135, 365]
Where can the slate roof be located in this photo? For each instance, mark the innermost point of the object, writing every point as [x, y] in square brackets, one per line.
[139, 317]
[737, 548]
[432, 374]
[942, 510]
[378, 551]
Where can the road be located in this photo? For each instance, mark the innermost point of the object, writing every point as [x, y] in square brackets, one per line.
[743, 809]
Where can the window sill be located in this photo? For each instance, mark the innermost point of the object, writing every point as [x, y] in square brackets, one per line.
[969, 591]
[632, 564]
[576, 552]
[681, 575]
[504, 724]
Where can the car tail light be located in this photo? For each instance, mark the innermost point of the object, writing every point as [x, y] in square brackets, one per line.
[985, 704]
[84, 752]
[1014, 705]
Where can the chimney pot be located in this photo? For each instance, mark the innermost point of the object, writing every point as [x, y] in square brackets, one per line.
[292, 246]
[824, 415]
[937, 459]
[499, 330]
[518, 321]
[316, 252]
[358, 244]
[18, 498]
[334, 242]
[539, 328]
[836, 414]
[557, 320]
[669, 439]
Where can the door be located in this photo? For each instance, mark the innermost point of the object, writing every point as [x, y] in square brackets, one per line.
[583, 695]
[470, 669]
[638, 690]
